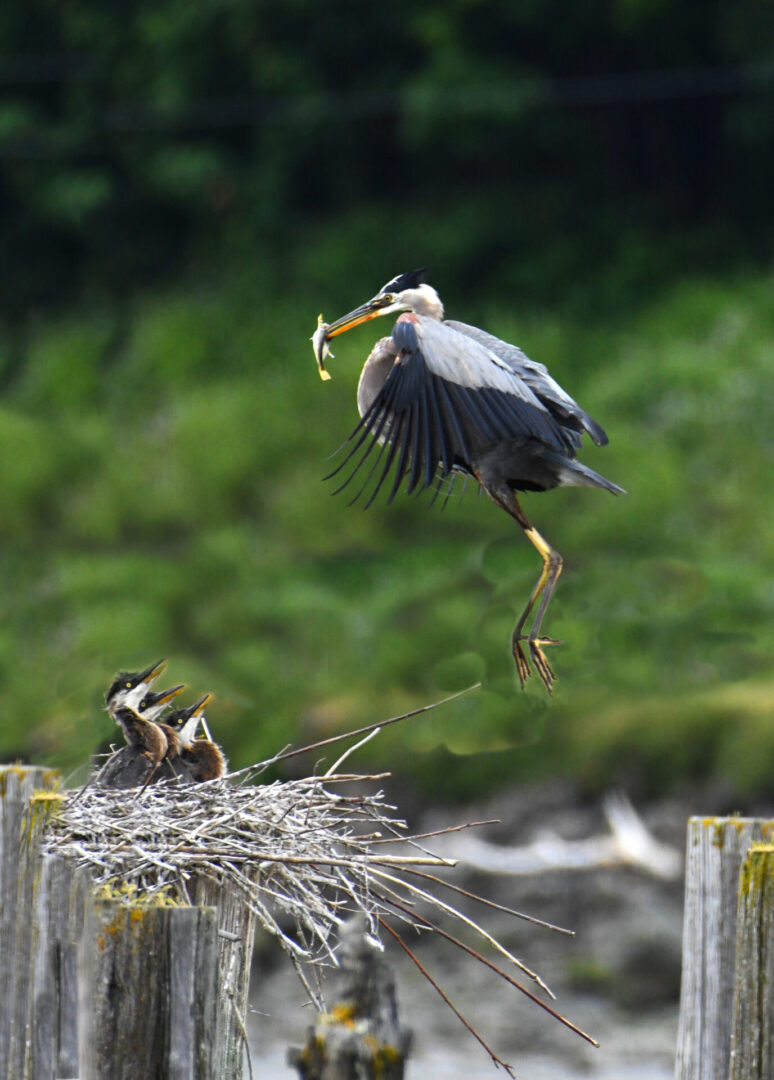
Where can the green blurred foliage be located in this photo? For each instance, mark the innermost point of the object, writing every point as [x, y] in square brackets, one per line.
[169, 500]
[185, 186]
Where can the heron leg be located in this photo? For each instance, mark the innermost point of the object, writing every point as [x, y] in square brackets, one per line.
[543, 589]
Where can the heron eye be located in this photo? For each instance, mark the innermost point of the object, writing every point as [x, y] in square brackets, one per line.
[388, 298]
[128, 686]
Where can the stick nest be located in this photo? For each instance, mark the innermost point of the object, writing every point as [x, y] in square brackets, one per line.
[306, 854]
[305, 848]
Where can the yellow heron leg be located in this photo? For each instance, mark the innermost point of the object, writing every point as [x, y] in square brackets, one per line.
[544, 587]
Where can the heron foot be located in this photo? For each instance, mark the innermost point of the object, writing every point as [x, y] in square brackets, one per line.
[538, 657]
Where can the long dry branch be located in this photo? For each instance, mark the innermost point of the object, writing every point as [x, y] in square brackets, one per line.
[497, 1061]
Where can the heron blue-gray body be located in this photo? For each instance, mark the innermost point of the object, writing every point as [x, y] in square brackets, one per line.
[439, 397]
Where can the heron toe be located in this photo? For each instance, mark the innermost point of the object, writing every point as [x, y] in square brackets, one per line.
[522, 664]
[538, 657]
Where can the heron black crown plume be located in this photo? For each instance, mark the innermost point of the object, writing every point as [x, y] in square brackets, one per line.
[406, 281]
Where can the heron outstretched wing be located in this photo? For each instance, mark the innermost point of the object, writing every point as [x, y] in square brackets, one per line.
[537, 378]
[446, 397]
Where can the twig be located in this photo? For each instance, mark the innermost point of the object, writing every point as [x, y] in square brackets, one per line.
[503, 974]
[351, 750]
[243, 1033]
[436, 832]
[371, 727]
[491, 903]
[457, 914]
[447, 1000]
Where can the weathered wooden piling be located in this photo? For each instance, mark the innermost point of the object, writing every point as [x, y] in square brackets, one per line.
[51, 1042]
[360, 1037]
[236, 936]
[752, 1034]
[147, 991]
[160, 951]
[715, 850]
[45, 1042]
[17, 784]
[112, 986]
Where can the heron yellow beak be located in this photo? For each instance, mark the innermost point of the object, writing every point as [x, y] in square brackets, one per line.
[325, 331]
[153, 671]
[360, 315]
[201, 705]
[167, 696]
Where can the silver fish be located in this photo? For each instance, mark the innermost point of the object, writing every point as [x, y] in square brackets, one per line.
[321, 348]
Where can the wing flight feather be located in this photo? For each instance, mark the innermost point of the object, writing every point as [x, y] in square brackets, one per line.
[444, 396]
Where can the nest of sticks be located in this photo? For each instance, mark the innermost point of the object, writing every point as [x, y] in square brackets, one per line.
[308, 852]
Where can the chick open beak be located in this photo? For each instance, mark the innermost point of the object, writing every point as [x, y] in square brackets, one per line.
[199, 706]
[152, 673]
[166, 696]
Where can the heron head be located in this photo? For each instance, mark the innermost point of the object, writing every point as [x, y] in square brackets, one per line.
[407, 292]
[128, 687]
[186, 733]
[186, 721]
[154, 702]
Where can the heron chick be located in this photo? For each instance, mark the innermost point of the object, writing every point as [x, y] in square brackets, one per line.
[144, 731]
[154, 702]
[439, 397]
[200, 759]
[129, 687]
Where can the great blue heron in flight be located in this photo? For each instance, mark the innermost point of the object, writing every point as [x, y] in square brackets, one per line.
[440, 396]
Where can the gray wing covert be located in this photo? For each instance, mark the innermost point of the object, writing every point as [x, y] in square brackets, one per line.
[444, 398]
[538, 379]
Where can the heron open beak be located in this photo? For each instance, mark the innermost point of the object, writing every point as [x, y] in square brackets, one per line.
[163, 697]
[151, 673]
[198, 708]
[187, 731]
